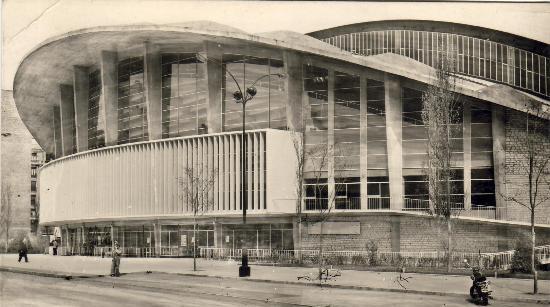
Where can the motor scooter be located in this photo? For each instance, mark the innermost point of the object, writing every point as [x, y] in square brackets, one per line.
[480, 291]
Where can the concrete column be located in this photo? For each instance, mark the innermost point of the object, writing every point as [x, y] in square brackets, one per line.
[81, 82]
[214, 78]
[499, 156]
[67, 118]
[395, 234]
[109, 95]
[112, 237]
[467, 148]
[156, 230]
[330, 139]
[294, 89]
[363, 142]
[152, 77]
[394, 128]
[218, 238]
[296, 233]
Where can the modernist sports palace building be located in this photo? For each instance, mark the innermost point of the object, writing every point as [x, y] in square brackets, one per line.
[131, 112]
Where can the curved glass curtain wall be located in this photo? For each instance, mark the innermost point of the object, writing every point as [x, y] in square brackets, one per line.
[267, 109]
[475, 57]
[184, 90]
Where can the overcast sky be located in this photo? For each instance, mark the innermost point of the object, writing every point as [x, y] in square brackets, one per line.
[27, 23]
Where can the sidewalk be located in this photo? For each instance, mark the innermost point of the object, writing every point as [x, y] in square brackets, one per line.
[508, 289]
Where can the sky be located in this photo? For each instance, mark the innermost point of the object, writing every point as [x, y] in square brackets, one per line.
[27, 23]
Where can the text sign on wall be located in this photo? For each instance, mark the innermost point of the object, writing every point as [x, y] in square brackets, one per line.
[335, 228]
[183, 240]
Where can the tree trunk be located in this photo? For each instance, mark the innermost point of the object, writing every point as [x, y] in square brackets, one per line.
[533, 267]
[449, 249]
[299, 245]
[321, 253]
[194, 244]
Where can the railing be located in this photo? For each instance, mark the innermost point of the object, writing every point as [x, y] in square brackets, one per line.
[351, 203]
[378, 203]
[423, 206]
[500, 260]
[416, 205]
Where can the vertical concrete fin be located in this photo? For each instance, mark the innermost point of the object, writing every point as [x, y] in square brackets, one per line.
[66, 94]
[394, 129]
[152, 77]
[81, 80]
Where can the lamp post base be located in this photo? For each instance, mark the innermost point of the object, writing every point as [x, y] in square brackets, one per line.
[244, 269]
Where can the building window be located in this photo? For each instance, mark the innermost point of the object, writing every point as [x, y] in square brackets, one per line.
[483, 188]
[267, 109]
[184, 90]
[96, 114]
[378, 193]
[316, 193]
[132, 109]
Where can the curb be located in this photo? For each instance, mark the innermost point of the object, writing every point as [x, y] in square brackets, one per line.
[50, 274]
[366, 288]
[348, 287]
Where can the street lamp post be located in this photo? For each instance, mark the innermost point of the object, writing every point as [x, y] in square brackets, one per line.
[243, 97]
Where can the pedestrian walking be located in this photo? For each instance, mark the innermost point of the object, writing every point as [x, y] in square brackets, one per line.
[54, 244]
[23, 250]
[115, 267]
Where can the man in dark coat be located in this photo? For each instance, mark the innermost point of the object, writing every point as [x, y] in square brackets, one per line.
[23, 249]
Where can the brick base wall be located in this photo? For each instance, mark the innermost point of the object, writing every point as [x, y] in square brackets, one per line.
[418, 233]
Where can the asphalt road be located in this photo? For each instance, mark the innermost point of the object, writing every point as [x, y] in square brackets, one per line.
[159, 289]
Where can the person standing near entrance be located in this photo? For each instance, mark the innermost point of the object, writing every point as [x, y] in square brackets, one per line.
[115, 267]
[54, 244]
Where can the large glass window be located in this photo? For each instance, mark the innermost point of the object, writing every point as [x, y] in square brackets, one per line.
[96, 114]
[316, 121]
[415, 152]
[483, 186]
[184, 91]
[347, 124]
[267, 109]
[132, 109]
[377, 155]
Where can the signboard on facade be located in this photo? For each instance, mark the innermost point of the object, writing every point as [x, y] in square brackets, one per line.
[226, 239]
[183, 240]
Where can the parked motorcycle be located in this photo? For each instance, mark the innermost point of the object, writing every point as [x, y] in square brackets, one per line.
[480, 291]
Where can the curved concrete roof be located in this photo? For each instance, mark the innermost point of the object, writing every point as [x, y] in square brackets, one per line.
[51, 63]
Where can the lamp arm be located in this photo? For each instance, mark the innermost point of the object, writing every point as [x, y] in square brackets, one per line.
[260, 78]
[235, 80]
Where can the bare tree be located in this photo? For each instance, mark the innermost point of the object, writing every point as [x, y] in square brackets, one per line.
[316, 164]
[6, 213]
[441, 113]
[197, 187]
[531, 151]
[299, 151]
